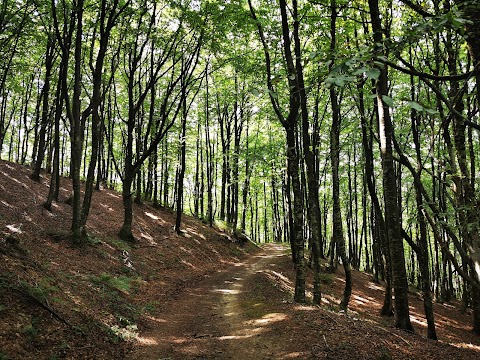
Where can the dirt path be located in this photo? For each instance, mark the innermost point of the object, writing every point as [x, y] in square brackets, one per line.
[226, 316]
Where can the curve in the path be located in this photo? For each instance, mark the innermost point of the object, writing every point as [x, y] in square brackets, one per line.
[225, 316]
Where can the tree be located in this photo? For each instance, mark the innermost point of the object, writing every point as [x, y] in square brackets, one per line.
[181, 49]
[338, 237]
[392, 214]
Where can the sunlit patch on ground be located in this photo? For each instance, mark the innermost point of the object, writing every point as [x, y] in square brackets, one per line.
[147, 236]
[7, 204]
[270, 318]
[192, 231]
[468, 346]
[189, 264]
[374, 286]
[418, 321]
[239, 264]
[106, 207]
[158, 320]
[227, 291]
[15, 228]
[293, 355]
[188, 251]
[17, 181]
[306, 308]
[330, 300]
[146, 341]
[177, 340]
[155, 217]
[235, 337]
[360, 300]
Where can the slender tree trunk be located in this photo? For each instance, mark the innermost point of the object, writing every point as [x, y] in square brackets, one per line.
[246, 183]
[45, 110]
[181, 170]
[209, 156]
[338, 236]
[390, 190]
[293, 170]
[55, 176]
[422, 239]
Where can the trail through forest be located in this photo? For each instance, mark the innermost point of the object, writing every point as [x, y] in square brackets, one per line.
[217, 319]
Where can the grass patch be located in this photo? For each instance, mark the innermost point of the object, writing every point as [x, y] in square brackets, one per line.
[326, 278]
[151, 307]
[40, 291]
[121, 283]
[223, 226]
[118, 244]
[31, 330]
[236, 252]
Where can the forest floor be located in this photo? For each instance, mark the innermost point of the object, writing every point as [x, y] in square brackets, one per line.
[195, 296]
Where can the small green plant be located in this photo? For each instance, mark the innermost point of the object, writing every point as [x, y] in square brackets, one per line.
[236, 252]
[326, 278]
[41, 291]
[151, 307]
[31, 330]
[93, 240]
[122, 283]
[223, 226]
[384, 354]
[117, 244]
[3, 356]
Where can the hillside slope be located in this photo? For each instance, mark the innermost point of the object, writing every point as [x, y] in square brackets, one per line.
[58, 301]
[196, 296]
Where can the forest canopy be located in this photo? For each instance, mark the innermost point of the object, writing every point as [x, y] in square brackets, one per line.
[348, 129]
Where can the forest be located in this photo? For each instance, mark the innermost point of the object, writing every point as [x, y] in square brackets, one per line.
[347, 129]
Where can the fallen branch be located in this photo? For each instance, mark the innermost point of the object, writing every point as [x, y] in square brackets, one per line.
[326, 345]
[44, 305]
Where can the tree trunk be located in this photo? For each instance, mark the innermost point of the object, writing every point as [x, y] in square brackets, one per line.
[126, 233]
[338, 236]
[390, 191]
[55, 176]
[181, 170]
[45, 110]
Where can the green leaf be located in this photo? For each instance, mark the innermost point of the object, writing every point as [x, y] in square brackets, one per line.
[255, 92]
[387, 100]
[360, 71]
[272, 93]
[415, 106]
[431, 111]
[373, 73]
